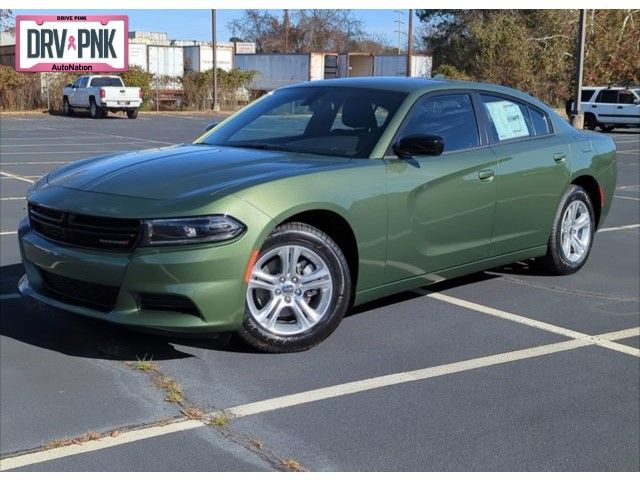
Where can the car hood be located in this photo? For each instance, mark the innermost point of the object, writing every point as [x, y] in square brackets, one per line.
[184, 170]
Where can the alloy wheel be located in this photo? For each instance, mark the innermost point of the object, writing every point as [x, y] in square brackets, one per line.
[576, 231]
[289, 290]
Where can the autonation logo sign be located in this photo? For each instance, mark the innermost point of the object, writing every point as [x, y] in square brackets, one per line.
[58, 43]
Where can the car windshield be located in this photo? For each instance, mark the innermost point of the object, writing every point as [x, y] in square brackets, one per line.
[345, 122]
[106, 82]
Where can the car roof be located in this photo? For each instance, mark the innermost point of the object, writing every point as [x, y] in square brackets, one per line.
[609, 88]
[415, 85]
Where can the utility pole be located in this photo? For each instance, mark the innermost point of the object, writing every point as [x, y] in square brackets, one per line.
[399, 29]
[409, 43]
[577, 119]
[216, 106]
[286, 31]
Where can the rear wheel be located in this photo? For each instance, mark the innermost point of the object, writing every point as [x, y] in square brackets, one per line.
[298, 290]
[572, 233]
[133, 113]
[94, 110]
[66, 107]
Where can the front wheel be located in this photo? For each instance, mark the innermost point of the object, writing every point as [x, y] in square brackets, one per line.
[590, 121]
[297, 292]
[607, 128]
[572, 233]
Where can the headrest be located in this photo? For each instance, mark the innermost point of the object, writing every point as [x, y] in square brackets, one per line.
[357, 113]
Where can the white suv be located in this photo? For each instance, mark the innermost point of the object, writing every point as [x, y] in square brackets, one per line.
[610, 107]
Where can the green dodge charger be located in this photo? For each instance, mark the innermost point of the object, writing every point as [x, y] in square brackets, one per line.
[314, 198]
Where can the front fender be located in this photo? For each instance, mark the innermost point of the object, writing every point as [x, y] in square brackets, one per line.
[358, 194]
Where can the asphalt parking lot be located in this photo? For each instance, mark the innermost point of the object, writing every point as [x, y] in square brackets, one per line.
[503, 370]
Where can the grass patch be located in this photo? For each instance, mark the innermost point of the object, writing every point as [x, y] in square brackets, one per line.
[65, 442]
[144, 365]
[170, 387]
[219, 420]
[194, 413]
[292, 465]
[256, 443]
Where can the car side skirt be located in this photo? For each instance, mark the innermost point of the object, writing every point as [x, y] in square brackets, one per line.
[435, 277]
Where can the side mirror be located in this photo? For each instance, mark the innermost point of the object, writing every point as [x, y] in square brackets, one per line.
[407, 147]
[637, 101]
[69, 85]
[210, 126]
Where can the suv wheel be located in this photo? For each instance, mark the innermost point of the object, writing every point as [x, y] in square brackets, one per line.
[590, 122]
[298, 290]
[572, 233]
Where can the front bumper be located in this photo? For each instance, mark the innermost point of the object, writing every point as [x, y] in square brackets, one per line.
[211, 276]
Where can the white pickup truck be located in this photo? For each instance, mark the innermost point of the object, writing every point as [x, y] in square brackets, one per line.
[101, 94]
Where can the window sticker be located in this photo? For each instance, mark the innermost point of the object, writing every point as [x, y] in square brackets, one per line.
[508, 119]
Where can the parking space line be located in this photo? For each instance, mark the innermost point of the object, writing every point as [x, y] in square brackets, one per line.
[309, 396]
[110, 135]
[93, 445]
[31, 163]
[13, 198]
[10, 296]
[627, 198]
[414, 375]
[16, 177]
[627, 151]
[513, 317]
[8, 233]
[76, 144]
[623, 227]
[53, 152]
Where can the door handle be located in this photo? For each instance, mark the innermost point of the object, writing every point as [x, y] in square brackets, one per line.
[619, 107]
[559, 157]
[486, 175]
[594, 106]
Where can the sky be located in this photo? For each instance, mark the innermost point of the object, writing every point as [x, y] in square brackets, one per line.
[196, 24]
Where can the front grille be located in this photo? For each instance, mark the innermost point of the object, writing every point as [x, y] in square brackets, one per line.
[77, 292]
[104, 233]
[168, 303]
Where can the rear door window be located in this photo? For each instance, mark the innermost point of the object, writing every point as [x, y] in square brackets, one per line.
[626, 96]
[507, 119]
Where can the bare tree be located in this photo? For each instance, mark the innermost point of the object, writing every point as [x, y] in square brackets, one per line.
[313, 30]
[7, 21]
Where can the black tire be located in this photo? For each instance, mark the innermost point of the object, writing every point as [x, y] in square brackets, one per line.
[607, 128]
[94, 110]
[66, 107]
[555, 261]
[590, 121]
[132, 113]
[321, 244]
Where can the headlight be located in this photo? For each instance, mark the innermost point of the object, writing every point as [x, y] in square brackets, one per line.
[182, 231]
